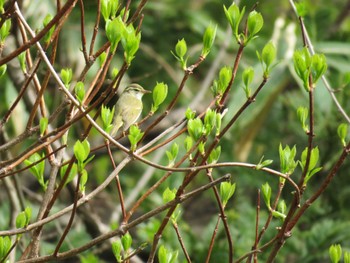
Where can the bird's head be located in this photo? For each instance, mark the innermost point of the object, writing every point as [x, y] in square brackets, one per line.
[136, 90]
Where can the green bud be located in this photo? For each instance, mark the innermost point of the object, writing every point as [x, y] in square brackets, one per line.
[302, 113]
[282, 207]
[318, 67]
[172, 154]
[234, 17]
[126, 241]
[254, 24]
[3, 69]
[218, 123]
[22, 61]
[114, 31]
[79, 91]
[335, 252]
[48, 35]
[287, 162]
[209, 121]
[266, 190]
[135, 135]
[107, 118]
[21, 220]
[5, 246]
[102, 58]
[190, 114]
[214, 155]
[117, 250]
[181, 48]
[130, 41]
[5, 30]
[159, 93]
[105, 9]
[169, 195]
[72, 173]
[302, 63]
[43, 125]
[115, 72]
[247, 77]
[81, 151]
[38, 169]
[268, 55]
[342, 132]
[67, 75]
[346, 257]
[83, 180]
[208, 39]
[201, 148]
[226, 191]
[188, 143]
[195, 128]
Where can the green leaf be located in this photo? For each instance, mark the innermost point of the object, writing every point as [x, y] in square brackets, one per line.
[126, 241]
[318, 67]
[117, 250]
[190, 114]
[346, 257]
[226, 191]
[83, 180]
[247, 77]
[254, 24]
[162, 254]
[262, 163]
[287, 162]
[188, 143]
[3, 69]
[21, 220]
[195, 128]
[48, 35]
[169, 195]
[5, 245]
[302, 64]
[208, 39]
[268, 56]
[107, 118]
[81, 152]
[43, 125]
[234, 17]
[67, 75]
[209, 121]
[114, 31]
[5, 30]
[181, 48]
[130, 41]
[335, 252]
[38, 169]
[172, 154]
[266, 190]
[72, 173]
[159, 93]
[302, 113]
[135, 135]
[282, 207]
[214, 155]
[22, 61]
[278, 214]
[102, 58]
[79, 91]
[342, 132]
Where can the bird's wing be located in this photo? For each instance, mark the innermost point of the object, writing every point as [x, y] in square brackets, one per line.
[131, 114]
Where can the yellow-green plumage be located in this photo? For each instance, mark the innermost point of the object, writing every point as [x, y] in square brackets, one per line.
[128, 108]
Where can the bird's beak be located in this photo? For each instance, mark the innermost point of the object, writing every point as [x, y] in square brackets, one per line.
[146, 91]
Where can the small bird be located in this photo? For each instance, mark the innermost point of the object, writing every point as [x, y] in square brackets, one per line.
[128, 107]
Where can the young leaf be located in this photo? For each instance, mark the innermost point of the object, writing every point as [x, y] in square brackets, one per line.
[208, 39]
[48, 35]
[134, 136]
[226, 191]
[234, 16]
[130, 41]
[107, 118]
[195, 128]
[114, 31]
[214, 155]
[3, 69]
[66, 75]
[247, 77]
[266, 190]
[117, 250]
[126, 241]
[43, 125]
[335, 252]
[254, 24]
[342, 132]
[169, 195]
[302, 113]
[159, 93]
[79, 91]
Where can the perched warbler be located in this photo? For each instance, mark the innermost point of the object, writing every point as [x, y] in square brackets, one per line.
[128, 108]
